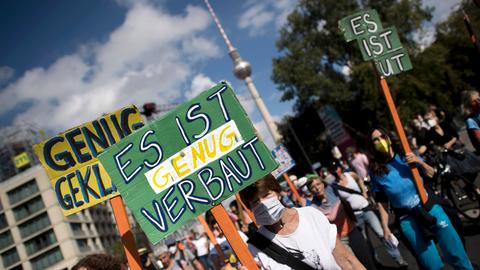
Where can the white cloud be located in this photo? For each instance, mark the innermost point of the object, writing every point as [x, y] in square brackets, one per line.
[149, 57]
[6, 73]
[264, 134]
[260, 14]
[442, 9]
[200, 83]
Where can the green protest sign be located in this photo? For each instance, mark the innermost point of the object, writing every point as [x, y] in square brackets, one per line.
[179, 166]
[393, 63]
[379, 43]
[359, 24]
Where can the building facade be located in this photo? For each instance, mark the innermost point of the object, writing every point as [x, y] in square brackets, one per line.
[34, 234]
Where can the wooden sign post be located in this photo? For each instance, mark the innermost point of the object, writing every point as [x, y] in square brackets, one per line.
[77, 176]
[383, 46]
[191, 159]
[126, 234]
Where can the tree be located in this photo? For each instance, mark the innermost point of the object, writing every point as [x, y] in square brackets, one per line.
[317, 67]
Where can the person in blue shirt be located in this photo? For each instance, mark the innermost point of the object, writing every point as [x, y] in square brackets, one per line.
[420, 224]
[471, 105]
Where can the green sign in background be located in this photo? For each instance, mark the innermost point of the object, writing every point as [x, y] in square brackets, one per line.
[393, 63]
[359, 24]
[379, 43]
[165, 132]
[383, 46]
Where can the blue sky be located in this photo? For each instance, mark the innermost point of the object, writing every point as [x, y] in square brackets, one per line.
[67, 62]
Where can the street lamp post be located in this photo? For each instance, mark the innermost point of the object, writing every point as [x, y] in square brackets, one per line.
[243, 71]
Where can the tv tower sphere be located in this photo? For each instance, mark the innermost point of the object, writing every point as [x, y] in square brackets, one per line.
[242, 69]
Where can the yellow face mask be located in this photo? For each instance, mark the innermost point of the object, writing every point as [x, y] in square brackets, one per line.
[383, 146]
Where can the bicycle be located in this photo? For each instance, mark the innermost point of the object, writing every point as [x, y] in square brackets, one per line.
[462, 193]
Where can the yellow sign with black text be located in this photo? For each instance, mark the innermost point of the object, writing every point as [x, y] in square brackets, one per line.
[70, 159]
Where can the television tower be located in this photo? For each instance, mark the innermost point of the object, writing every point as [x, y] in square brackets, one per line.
[243, 71]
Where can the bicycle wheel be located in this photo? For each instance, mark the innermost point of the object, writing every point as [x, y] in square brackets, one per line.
[465, 197]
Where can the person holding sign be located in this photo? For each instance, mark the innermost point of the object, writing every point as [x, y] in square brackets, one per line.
[420, 224]
[292, 238]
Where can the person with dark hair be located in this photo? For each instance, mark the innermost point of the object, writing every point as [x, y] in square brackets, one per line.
[100, 262]
[303, 235]
[340, 213]
[420, 224]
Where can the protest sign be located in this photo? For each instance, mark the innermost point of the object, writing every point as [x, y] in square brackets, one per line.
[379, 43]
[390, 58]
[359, 24]
[383, 46]
[393, 63]
[184, 163]
[70, 159]
[284, 160]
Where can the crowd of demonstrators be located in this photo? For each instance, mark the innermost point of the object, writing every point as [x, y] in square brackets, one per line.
[420, 224]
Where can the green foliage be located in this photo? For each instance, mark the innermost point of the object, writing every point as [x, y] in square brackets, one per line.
[313, 55]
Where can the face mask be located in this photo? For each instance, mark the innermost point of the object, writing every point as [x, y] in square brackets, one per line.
[432, 122]
[383, 146]
[268, 212]
[172, 249]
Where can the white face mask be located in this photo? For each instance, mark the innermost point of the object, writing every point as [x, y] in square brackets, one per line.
[432, 122]
[269, 211]
[172, 249]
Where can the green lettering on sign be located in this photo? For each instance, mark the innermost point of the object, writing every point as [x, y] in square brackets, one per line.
[359, 24]
[393, 63]
[379, 43]
[179, 166]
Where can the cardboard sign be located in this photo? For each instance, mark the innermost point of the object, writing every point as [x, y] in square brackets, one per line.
[284, 160]
[179, 166]
[380, 43]
[359, 24]
[21, 160]
[393, 63]
[70, 159]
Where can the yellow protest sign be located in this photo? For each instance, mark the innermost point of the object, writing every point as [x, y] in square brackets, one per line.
[21, 160]
[70, 159]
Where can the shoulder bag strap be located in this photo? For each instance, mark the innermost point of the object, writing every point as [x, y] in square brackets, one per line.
[349, 190]
[277, 253]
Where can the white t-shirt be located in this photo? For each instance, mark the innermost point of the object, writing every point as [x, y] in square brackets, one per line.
[201, 245]
[355, 200]
[315, 238]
